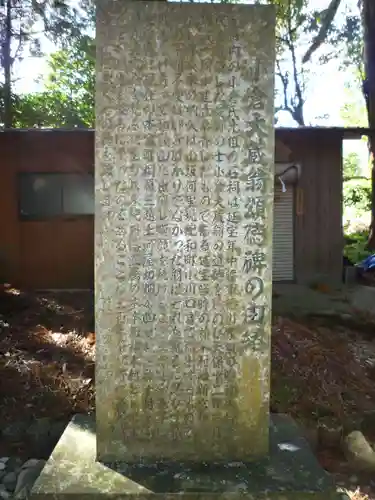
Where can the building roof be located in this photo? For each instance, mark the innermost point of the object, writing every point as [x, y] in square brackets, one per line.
[345, 132]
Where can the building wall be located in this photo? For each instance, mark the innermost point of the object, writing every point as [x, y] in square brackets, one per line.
[54, 253]
[318, 222]
[58, 253]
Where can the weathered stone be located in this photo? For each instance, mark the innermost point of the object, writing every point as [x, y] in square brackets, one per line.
[26, 479]
[184, 192]
[290, 473]
[10, 480]
[358, 451]
[33, 462]
[4, 494]
[15, 464]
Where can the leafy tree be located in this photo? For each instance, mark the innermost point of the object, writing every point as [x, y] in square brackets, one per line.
[353, 111]
[359, 196]
[23, 23]
[351, 166]
[68, 98]
[296, 24]
[357, 188]
[291, 19]
[367, 9]
[355, 250]
[297, 28]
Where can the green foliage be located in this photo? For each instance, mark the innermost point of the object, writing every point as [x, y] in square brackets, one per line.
[15, 100]
[299, 27]
[354, 112]
[69, 96]
[23, 25]
[355, 249]
[357, 195]
[351, 166]
[348, 39]
[352, 35]
[357, 190]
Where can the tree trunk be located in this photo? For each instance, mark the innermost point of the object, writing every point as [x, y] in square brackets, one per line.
[368, 14]
[6, 62]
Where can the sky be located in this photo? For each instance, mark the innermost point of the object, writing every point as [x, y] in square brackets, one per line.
[325, 94]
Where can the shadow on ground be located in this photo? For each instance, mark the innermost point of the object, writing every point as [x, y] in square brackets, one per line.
[47, 359]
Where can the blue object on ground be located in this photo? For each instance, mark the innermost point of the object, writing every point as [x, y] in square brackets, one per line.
[368, 263]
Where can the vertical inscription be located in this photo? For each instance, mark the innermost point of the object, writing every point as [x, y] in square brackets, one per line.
[188, 209]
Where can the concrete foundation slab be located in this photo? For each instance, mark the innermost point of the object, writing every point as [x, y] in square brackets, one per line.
[291, 472]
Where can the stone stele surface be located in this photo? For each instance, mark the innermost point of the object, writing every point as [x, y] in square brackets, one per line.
[291, 472]
[184, 207]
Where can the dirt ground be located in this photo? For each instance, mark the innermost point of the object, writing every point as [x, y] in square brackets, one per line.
[47, 358]
[323, 367]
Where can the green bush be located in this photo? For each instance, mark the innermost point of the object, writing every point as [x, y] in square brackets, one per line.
[357, 195]
[355, 247]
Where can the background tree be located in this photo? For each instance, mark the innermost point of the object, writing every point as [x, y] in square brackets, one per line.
[367, 9]
[291, 17]
[22, 25]
[298, 25]
[68, 97]
[356, 172]
[356, 195]
[351, 166]
[353, 111]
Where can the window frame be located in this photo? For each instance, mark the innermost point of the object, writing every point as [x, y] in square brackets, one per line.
[62, 215]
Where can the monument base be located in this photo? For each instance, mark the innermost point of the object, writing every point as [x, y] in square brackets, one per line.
[290, 472]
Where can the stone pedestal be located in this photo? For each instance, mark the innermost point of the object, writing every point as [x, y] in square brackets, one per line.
[290, 472]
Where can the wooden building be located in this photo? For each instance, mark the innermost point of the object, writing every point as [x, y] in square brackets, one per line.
[47, 207]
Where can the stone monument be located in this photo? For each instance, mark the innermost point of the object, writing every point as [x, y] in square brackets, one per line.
[184, 208]
[185, 187]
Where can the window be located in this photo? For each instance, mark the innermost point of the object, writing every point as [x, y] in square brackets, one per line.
[42, 196]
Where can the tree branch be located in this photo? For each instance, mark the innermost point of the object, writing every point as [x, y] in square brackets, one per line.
[356, 178]
[285, 83]
[298, 113]
[17, 51]
[322, 35]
